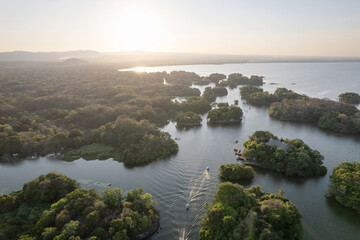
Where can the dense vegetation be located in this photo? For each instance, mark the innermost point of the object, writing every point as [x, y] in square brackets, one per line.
[350, 97]
[335, 116]
[216, 77]
[340, 122]
[238, 213]
[53, 207]
[63, 109]
[225, 114]
[234, 171]
[188, 119]
[236, 79]
[258, 97]
[291, 156]
[308, 109]
[345, 184]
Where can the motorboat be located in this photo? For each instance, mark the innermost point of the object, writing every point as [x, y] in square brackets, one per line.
[187, 206]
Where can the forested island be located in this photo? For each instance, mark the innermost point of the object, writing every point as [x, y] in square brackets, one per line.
[234, 172]
[54, 207]
[236, 79]
[349, 97]
[224, 113]
[328, 114]
[290, 156]
[256, 96]
[238, 213]
[345, 184]
[188, 119]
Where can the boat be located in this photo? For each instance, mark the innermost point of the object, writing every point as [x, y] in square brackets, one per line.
[207, 168]
[187, 206]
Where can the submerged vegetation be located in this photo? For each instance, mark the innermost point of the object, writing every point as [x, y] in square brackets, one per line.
[345, 184]
[53, 207]
[238, 213]
[234, 172]
[291, 156]
[225, 114]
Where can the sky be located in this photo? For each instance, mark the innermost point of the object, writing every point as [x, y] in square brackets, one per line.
[259, 27]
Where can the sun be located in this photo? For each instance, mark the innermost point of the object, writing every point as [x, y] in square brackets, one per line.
[135, 28]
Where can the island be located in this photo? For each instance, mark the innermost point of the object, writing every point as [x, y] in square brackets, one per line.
[340, 122]
[234, 172]
[290, 156]
[349, 97]
[236, 79]
[328, 114]
[188, 119]
[256, 96]
[344, 185]
[238, 213]
[223, 113]
[216, 77]
[53, 206]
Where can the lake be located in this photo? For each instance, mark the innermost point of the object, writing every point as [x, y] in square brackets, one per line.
[183, 178]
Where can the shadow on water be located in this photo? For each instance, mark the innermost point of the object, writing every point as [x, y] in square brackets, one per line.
[278, 177]
[187, 129]
[234, 125]
[350, 216]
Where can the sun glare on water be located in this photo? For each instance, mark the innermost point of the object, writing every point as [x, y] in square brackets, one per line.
[135, 28]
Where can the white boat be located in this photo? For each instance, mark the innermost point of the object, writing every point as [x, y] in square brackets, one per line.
[207, 168]
[187, 206]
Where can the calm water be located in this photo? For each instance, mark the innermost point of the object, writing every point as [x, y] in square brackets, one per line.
[182, 178]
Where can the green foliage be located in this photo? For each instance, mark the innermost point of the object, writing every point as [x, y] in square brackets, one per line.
[350, 97]
[308, 109]
[135, 142]
[236, 171]
[188, 119]
[81, 214]
[46, 110]
[194, 104]
[225, 114]
[236, 79]
[345, 184]
[340, 122]
[256, 96]
[238, 213]
[209, 95]
[48, 188]
[216, 77]
[113, 198]
[90, 152]
[291, 156]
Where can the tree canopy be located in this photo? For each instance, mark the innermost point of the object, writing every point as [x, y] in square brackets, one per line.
[65, 211]
[291, 156]
[225, 114]
[238, 213]
[345, 184]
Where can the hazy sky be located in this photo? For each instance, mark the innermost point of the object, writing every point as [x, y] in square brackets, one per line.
[275, 27]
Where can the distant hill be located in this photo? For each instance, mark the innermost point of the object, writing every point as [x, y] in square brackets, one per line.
[73, 62]
[46, 56]
[143, 58]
